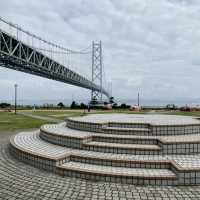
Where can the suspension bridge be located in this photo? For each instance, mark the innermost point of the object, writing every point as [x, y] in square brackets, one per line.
[26, 52]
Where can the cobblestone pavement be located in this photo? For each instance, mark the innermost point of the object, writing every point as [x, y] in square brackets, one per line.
[21, 181]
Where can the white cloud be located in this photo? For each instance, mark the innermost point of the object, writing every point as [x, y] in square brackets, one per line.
[148, 45]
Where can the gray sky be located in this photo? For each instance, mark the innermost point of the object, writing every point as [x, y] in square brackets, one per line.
[151, 46]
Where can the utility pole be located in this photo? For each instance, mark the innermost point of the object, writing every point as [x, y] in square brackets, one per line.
[110, 89]
[72, 97]
[15, 98]
[138, 99]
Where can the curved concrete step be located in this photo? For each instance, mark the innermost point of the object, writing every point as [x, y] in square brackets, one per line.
[118, 174]
[126, 131]
[64, 136]
[122, 148]
[156, 125]
[128, 125]
[107, 159]
[30, 142]
[61, 135]
[29, 148]
[63, 132]
[124, 139]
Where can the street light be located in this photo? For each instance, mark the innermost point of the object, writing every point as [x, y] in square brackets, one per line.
[138, 99]
[15, 98]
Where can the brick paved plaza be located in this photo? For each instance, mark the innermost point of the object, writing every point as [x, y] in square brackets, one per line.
[22, 181]
[109, 161]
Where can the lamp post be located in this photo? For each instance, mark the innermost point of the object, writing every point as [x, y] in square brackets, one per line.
[15, 98]
[138, 99]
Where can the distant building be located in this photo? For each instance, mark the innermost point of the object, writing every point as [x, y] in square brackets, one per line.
[135, 108]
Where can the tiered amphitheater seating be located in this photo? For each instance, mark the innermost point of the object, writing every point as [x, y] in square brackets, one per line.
[135, 153]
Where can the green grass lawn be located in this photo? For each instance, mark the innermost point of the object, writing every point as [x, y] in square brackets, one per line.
[12, 122]
[62, 114]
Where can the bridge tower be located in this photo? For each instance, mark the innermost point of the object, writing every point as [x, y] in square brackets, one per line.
[97, 71]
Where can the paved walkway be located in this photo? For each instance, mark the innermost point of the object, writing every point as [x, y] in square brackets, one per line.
[49, 119]
[21, 181]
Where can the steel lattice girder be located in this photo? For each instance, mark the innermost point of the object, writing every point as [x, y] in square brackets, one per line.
[97, 70]
[16, 55]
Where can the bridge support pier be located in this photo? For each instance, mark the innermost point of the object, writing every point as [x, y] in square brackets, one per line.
[97, 72]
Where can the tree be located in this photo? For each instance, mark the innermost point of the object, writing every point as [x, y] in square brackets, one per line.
[73, 105]
[4, 105]
[83, 106]
[115, 105]
[170, 107]
[124, 106]
[61, 105]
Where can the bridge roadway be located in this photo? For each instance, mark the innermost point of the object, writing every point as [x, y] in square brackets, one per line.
[15, 54]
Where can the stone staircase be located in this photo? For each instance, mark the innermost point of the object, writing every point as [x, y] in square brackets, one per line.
[117, 174]
[114, 157]
[143, 149]
[125, 131]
